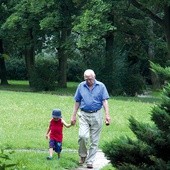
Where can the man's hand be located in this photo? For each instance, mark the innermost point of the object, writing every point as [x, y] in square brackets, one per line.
[73, 120]
[107, 121]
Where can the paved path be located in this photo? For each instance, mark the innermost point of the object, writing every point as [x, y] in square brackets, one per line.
[100, 162]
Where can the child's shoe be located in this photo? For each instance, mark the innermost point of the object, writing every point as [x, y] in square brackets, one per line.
[49, 158]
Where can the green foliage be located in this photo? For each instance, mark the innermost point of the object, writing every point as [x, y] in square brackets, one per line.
[75, 70]
[132, 82]
[127, 80]
[16, 69]
[44, 76]
[159, 3]
[164, 73]
[126, 150]
[6, 161]
[150, 150]
[93, 23]
[5, 56]
[50, 21]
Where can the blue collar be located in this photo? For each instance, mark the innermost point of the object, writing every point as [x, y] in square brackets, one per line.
[95, 83]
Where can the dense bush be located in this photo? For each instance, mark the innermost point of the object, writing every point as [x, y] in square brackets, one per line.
[75, 71]
[151, 149]
[16, 69]
[133, 84]
[44, 76]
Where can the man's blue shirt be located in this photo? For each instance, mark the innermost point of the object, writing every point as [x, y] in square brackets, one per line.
[91, 99]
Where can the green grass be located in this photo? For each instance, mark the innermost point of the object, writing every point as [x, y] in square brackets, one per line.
[25, 117]
[37, 161]
[23, 86]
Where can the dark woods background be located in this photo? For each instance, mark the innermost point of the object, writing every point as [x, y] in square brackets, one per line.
[51, 43]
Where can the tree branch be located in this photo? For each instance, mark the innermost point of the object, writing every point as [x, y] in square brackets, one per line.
[148, 12]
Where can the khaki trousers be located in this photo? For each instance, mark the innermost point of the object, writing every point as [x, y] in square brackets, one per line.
[90, 126]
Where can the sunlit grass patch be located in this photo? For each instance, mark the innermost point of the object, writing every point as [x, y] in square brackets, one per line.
[25, 117]
[33, 160]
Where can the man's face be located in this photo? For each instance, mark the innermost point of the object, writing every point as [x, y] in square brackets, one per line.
[89, 80]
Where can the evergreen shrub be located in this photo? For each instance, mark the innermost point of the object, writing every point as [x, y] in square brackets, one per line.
[151, 149]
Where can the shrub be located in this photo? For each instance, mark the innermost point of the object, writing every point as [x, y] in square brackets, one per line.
[75, 71]
[44, 76]
[16, 69]
[132, 82]
[150, 150]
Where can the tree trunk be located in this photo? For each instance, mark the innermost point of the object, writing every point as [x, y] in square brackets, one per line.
[62, 58]
[164, 23]
[30, 57]
[167, 28]
[3, 76]
[29, 60]
[108, 68]
[151, 54]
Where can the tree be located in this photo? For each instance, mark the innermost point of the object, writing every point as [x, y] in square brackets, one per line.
[4, 14]
[37, 21]
[57, 24]
[151, 149]
[121, 32]
[162, 18]
[3, 76]
[23, 31]
[94, 25]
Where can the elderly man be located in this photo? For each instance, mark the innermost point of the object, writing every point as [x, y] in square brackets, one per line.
[91, 95]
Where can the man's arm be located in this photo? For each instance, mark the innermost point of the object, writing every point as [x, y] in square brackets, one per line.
[107, 115]
[73, 118]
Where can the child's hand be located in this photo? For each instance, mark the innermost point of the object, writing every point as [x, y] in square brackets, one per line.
[47, 136]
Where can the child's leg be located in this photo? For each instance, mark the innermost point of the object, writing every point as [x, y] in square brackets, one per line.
[58, 155]
[51, 152]
[58, 148]
[51, 146]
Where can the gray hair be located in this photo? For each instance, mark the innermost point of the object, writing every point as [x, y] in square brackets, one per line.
[89, 72]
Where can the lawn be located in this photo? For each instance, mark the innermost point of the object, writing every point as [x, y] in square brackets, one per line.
[25, 117]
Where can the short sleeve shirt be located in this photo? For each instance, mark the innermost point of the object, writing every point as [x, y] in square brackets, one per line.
[91, 99]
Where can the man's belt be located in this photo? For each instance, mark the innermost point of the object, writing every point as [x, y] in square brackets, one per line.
[89, 111]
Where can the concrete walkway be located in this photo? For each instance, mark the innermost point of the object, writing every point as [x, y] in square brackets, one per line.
[100, 162]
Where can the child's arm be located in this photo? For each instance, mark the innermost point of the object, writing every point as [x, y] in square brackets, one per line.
[48, 132]
[66, 124]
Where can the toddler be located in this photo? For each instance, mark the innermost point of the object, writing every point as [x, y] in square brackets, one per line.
[55, 133]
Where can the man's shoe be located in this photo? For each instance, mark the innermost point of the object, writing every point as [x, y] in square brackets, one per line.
[90, 166]
[82, 160]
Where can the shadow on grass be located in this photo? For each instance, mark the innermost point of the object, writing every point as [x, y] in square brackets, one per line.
[144, 99]
[16, 87]
[23, 86]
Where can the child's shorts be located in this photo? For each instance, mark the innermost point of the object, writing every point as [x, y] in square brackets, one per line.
[57, 146]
